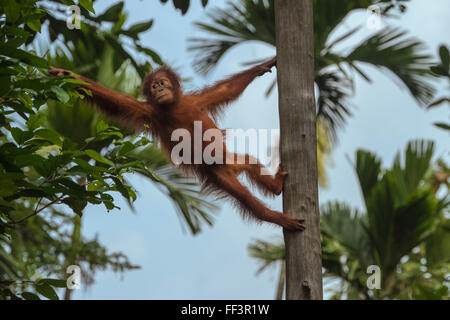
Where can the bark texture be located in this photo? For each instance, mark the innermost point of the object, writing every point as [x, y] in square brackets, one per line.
[298, 146]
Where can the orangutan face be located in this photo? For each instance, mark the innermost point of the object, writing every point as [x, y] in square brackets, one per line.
[161, 89]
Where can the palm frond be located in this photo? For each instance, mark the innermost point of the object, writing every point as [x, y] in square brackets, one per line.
[417, 163]
[346, 226]
[267, 253]
[245, 20]
[368, 169]
[254, 20]
[76, 122]
[438, 245]
[9, 267]
[396, 230]
[393, 50]
[328, 14]
[333, 91]
[401, 210]
[414, 221]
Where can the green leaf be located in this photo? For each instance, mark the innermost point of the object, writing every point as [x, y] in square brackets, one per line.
[101, 126]
[5, 84]
[140, 27]
[96, 185]
[58, 283]
[438, 245]
[368, 168]
[61, 94]
[440, 70]
[12, 10]
[30, 296]
[23, 56]
[117, 46]
[442, 125]
[20, 36]
[74, 188]
[7, 187]
[87, 91]
[183, 5]
[112, 13]
[49, 135]
[35, 84]
[26, 100]
[122, 189]
[17, 134]
[35, 121]
[88, 5]
[445, 56]
[47, 291]
[97, 157]
[108, 204]
[126, 147]
[86, 167]
[45, 151]
[76, 204]
[438, 102]
[155, 57]
[34, 25]
[75, 81]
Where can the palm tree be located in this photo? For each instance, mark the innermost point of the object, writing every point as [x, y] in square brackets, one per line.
[391, 51]
[404, 230]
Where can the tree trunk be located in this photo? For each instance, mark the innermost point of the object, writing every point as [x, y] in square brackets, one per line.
[295, 67]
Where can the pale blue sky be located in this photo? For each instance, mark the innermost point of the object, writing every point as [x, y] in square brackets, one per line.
[215, 263]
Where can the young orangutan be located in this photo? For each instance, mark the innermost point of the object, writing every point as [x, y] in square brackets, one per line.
[167, 109]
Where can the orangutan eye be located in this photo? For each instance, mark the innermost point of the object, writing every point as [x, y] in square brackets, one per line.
[163, 82]
[154, 86]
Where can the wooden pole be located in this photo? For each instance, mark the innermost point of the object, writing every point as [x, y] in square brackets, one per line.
[298, 146]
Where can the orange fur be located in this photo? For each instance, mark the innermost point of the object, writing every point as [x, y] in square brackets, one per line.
[219, 179]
